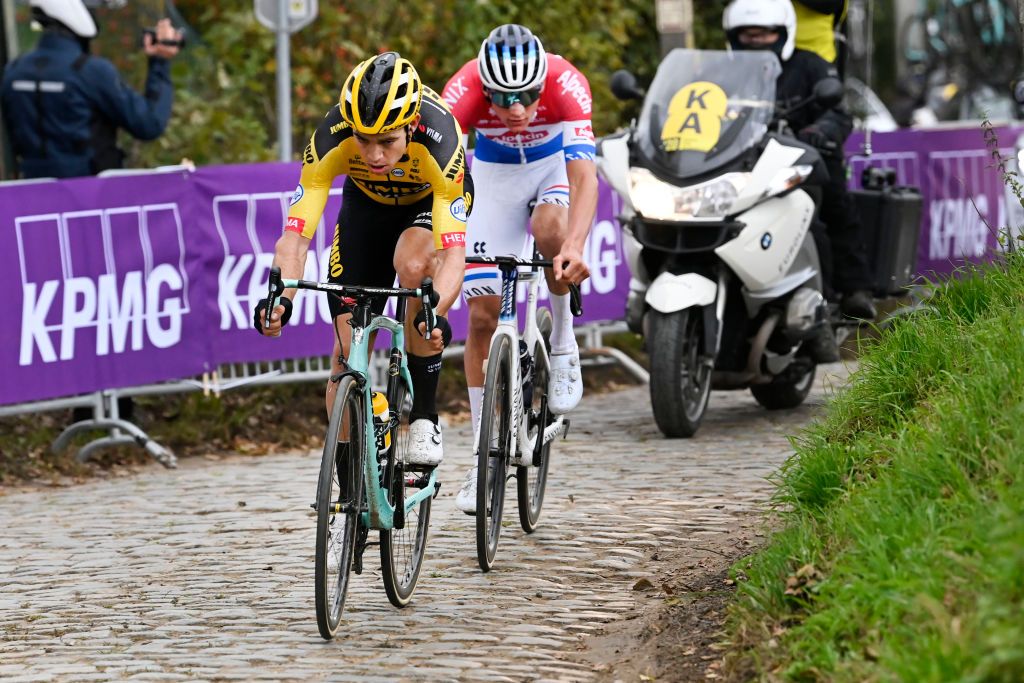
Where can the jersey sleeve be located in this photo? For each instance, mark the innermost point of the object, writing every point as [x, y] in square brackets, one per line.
[575, 104]
[450, 209]
[318, 174]
[464, 94]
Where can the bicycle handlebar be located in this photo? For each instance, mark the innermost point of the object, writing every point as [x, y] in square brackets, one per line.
[575, 296]
[277, 285]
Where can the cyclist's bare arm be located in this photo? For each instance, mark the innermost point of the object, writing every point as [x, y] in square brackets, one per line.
[290, 257]
[582, 175]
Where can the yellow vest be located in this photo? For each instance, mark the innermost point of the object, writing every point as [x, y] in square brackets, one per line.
[815, 31]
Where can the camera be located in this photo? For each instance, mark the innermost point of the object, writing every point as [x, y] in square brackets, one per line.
[180, 44]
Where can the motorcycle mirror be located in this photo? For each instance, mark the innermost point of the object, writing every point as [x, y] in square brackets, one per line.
[624, 87]
[828, 92]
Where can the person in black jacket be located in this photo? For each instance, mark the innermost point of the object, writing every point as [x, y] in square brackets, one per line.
[771, 25]
[62, 106]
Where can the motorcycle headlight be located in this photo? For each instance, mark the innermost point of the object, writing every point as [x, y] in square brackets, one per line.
[659, 200]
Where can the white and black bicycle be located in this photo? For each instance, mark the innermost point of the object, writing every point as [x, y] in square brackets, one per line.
[516, 426]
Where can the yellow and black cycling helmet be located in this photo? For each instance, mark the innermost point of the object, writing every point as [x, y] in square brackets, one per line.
[381, 94]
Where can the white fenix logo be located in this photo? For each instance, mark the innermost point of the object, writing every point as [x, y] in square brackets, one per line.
[101, 282]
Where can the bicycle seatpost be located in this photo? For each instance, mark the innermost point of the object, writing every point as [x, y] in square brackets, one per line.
[274, 290]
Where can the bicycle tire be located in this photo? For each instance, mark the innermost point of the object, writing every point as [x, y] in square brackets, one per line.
[531, 481]
[402, 550]
[341, 470]
[492, 464]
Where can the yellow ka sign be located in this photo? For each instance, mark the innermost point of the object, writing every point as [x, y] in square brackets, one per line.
[695, 118]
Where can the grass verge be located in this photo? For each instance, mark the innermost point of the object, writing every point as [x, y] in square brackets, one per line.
[901, 554]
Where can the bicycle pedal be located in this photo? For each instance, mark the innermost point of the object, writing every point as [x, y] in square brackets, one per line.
[565, 428]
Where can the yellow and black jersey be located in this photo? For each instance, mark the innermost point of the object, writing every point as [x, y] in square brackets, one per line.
[434, 163]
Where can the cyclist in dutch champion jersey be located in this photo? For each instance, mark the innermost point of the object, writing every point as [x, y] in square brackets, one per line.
[404, 206]
[534, 145]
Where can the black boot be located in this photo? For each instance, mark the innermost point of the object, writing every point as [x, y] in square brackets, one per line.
[858, 305]
[823, 347]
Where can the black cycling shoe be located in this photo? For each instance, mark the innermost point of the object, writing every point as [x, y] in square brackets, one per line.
[858, 305]
[823, 347]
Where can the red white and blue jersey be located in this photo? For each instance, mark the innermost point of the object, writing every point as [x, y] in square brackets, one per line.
[562, 122]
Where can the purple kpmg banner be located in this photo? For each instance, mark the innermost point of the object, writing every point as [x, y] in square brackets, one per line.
[138, 279]
[111, 278]
[965, 200]
[145, 278]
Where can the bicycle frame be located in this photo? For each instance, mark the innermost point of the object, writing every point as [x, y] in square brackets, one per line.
[379, 514]
[508, 326]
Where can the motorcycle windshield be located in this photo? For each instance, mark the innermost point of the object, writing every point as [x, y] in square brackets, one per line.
[705, 108]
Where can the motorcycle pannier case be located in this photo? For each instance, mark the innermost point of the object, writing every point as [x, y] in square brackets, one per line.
[890, 217]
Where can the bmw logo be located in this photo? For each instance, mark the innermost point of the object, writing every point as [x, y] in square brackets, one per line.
[766, 241]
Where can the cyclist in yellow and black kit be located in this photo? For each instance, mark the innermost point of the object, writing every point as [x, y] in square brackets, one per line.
[404, 206]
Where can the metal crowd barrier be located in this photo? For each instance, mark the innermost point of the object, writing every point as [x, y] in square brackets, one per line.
[104, 404]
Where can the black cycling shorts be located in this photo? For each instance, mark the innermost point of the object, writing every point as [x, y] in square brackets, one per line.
[365, 237]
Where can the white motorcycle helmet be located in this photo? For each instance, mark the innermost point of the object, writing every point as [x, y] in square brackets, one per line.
[775, 14]
[71, 13]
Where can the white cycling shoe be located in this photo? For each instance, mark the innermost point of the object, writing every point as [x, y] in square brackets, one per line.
[466, 498]
[565, 388]
[425, 448]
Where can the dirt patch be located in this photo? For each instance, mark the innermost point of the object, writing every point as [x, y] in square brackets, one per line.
[676, 630]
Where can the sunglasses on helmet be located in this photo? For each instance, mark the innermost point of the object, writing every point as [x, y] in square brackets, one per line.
[507, 99]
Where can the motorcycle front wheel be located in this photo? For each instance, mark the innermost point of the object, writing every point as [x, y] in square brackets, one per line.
[680, 379]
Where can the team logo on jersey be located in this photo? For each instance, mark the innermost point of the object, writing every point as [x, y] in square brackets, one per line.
[459, 210]
[295, 224]
[453, 239]
[298, 194]
[398, 173]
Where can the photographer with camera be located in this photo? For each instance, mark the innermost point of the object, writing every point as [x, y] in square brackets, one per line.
[62, 106]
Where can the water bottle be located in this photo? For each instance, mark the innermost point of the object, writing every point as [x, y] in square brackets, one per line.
[526, 372]
[381, 422]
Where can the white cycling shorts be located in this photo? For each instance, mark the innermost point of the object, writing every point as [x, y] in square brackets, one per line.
[499, 222]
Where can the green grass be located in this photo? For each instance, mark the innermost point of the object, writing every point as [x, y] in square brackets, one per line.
[901, 554]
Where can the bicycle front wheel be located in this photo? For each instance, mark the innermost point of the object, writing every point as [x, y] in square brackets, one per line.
[339, 502]
[402, 549]
[493, 451]
[532, 480]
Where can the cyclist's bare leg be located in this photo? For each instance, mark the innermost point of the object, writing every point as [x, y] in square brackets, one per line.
[550, 226]
[483, 318]
[415, 259]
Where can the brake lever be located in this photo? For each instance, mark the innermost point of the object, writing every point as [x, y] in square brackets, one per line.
[575, 300]
[430, 298]
[275, 289]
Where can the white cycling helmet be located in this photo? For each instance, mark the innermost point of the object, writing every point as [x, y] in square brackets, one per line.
[775, 14]
[512, 59]
[72, 13]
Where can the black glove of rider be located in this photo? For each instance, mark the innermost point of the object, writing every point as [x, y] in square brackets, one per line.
[820, 136]
[257, 321]
[440, 323]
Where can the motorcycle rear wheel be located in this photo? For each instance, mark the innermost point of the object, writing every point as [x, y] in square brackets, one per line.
[680, 380]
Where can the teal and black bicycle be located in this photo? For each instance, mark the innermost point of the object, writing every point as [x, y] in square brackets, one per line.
[364, 482]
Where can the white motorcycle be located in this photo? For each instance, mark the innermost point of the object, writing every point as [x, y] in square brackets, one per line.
[726, 285]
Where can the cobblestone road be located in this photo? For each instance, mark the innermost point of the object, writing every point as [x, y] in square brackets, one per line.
[205, 573]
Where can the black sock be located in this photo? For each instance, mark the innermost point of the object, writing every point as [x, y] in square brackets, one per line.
[425, 374]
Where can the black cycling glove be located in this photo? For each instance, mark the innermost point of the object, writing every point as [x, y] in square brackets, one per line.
[257, 321]
[440, 323]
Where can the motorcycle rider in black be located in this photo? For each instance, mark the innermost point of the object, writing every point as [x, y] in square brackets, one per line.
[771, 25]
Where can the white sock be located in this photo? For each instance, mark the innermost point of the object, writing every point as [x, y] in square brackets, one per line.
[476, 400]
[563, 340]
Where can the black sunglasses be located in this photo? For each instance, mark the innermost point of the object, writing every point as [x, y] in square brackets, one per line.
[507, 99]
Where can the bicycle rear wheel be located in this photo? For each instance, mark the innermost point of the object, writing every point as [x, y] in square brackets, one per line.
[339, 502]
[401, 550]
[531, 481]
[492, 460]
